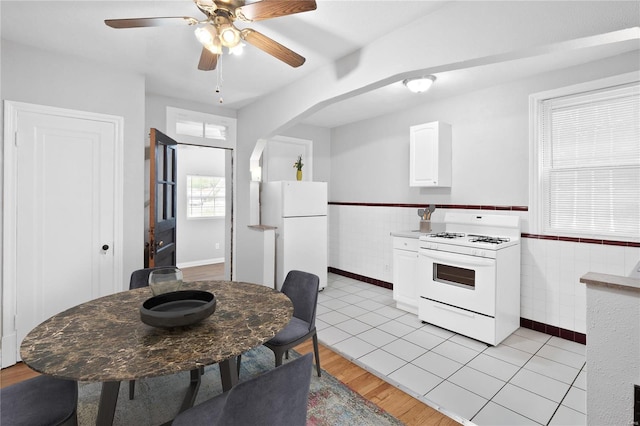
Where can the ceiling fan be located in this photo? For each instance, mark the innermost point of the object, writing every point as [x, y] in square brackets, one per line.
[218, 29]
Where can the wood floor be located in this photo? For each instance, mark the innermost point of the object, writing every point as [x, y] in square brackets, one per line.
[405, 408]
[205, 272]
[15, 374]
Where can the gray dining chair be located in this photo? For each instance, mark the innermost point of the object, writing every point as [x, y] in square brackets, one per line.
[277, 397]
[139, 278]
[302, 288]
[42, 400]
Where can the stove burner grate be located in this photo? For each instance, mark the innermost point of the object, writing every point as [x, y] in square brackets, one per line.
[487, 239]
[449, 235]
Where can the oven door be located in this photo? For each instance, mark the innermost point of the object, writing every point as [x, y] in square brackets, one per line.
[460, 280]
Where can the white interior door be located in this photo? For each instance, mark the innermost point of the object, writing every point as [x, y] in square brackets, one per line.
[66, 217]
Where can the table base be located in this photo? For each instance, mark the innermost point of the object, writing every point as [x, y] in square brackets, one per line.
[110, 390]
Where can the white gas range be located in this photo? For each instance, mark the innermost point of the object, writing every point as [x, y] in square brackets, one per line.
[470, 276]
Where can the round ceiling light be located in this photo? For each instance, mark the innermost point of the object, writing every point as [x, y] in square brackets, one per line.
[419, 84]
[229, 36]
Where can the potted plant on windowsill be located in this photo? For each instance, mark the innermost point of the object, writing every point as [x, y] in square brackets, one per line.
[298, 165]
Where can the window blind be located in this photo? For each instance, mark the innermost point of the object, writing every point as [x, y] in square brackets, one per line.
[591, 163]
[205, 196]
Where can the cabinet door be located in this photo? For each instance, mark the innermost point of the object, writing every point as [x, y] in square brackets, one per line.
[430, 154]
[405, 275]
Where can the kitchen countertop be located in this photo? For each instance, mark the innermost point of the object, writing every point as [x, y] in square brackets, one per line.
[611, 281]
[408, 234]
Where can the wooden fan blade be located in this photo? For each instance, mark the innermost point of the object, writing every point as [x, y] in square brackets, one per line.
[267, 9]
[272, 47]
[150, 22]
[208, 60]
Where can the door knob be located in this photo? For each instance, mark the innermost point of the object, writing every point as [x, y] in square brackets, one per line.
[105, 247]
[160, 243]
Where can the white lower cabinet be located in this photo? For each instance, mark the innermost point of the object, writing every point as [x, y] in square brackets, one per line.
[405, 273]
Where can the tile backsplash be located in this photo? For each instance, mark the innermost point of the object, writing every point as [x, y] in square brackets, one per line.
[360, 242]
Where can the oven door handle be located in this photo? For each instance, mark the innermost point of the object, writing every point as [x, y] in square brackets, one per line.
[458, 259]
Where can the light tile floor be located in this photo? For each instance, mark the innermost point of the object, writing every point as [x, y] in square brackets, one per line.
[531, 378]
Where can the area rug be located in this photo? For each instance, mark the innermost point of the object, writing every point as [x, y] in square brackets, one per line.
[157, 400]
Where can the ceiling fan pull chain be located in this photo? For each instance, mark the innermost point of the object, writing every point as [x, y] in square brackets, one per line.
[219, 78]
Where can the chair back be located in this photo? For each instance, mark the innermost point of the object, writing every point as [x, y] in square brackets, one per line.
[140, 277]
[277, 397]
[302, 288]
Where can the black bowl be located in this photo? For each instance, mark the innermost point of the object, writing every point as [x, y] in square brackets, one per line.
[178, 308]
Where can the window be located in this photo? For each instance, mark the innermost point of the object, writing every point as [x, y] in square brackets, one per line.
[200, 129]
[205, 196]
[588, 163]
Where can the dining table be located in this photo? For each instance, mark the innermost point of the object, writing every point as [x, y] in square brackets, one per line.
[104, 340]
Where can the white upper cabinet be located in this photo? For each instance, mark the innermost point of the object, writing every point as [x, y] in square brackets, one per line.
[430, 154]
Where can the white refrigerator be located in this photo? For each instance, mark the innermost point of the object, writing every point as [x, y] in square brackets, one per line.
[298, 209]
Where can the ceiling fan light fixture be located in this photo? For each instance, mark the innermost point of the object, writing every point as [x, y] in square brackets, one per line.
[237, 49]
[230, 37]
[217, 29]
[208, 38]
[419, 84]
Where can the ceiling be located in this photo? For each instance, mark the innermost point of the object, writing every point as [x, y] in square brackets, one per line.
[168, 56]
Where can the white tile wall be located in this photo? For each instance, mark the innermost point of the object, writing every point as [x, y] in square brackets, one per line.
[551, 293]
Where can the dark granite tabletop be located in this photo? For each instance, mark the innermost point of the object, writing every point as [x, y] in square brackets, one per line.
[105, 340]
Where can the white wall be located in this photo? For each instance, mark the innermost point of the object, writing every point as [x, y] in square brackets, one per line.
[490, 167]
[321, 138]
[490, 143]
[197, 238]
[54, 79]
[454, 36]
[156, 110]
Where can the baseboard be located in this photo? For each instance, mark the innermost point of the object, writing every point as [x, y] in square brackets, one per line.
[563, 333]
[362, 278]
[200, 262]
[552, 330]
